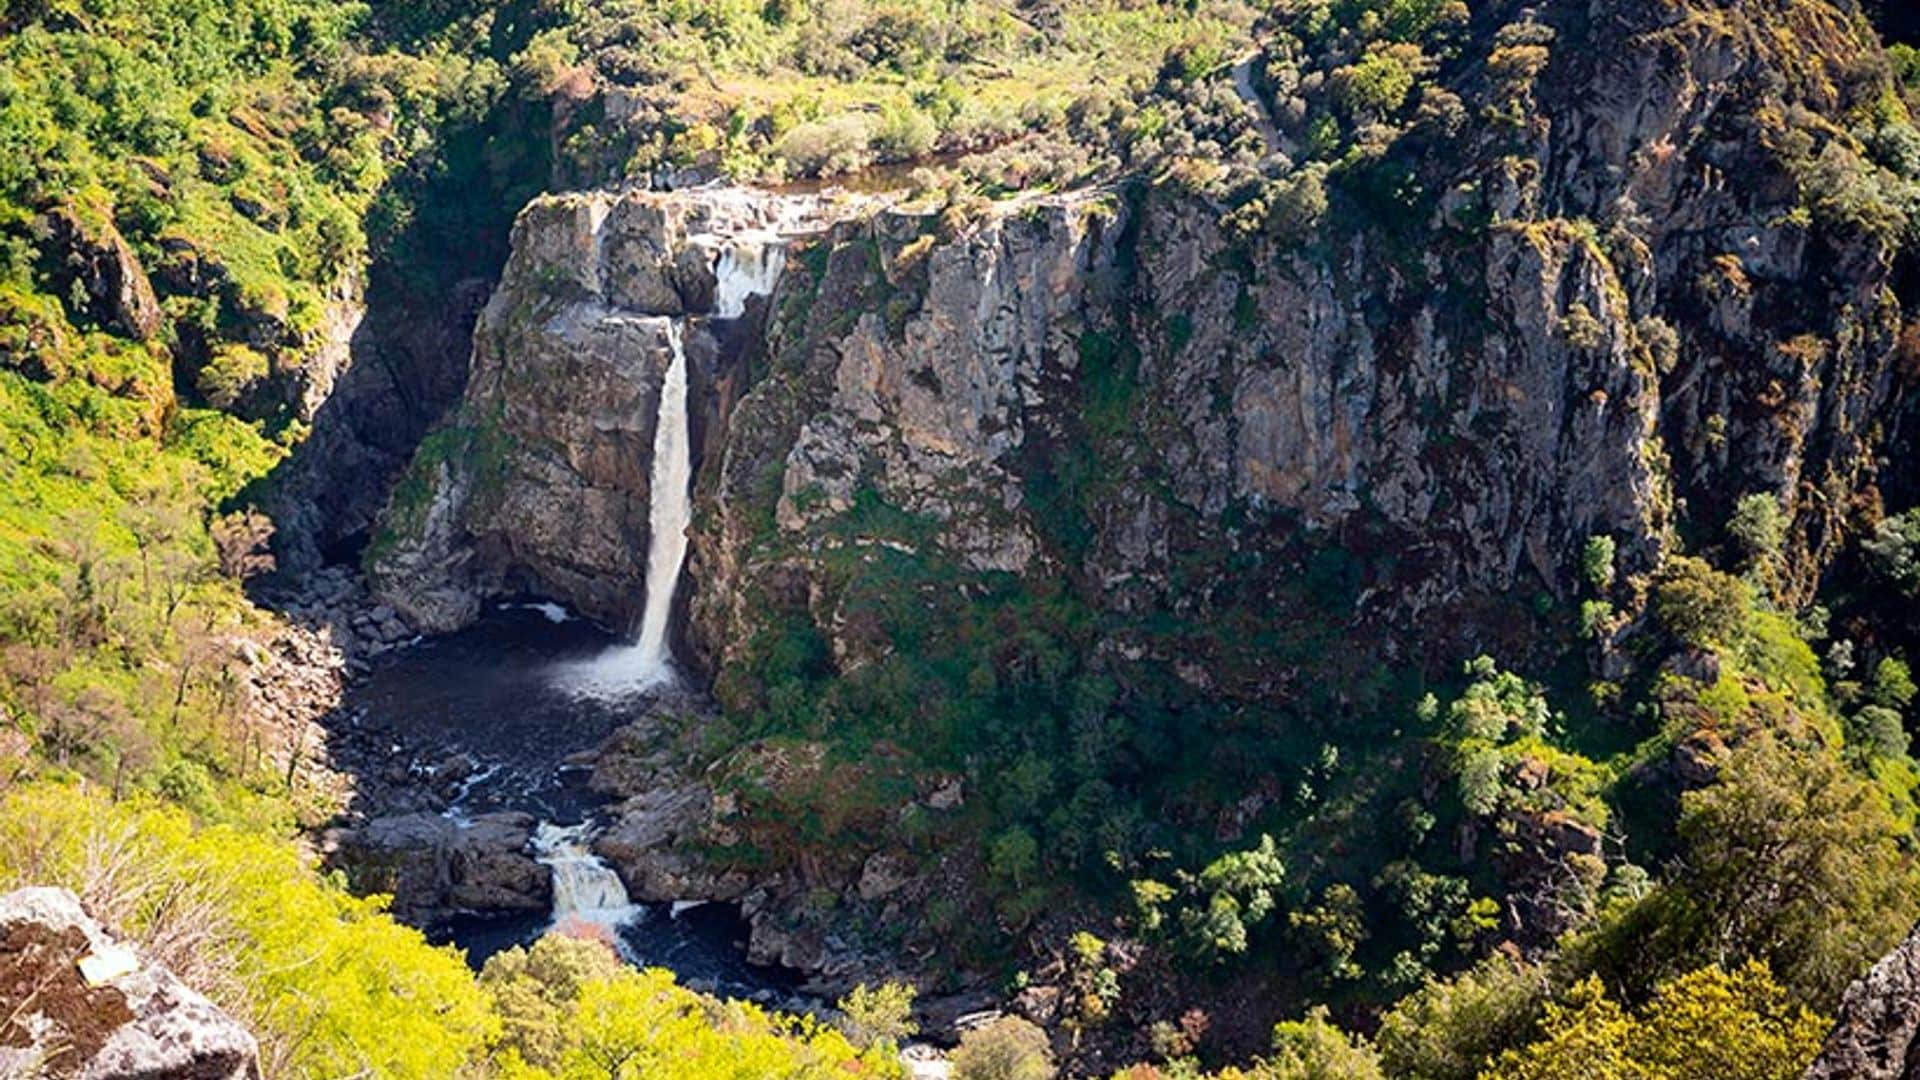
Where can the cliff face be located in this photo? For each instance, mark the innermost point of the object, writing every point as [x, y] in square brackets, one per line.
[1615, 315]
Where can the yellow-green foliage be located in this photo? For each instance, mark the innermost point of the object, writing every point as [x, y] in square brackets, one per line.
[116, 620]
[329, 983]
[333, 987]
[1709, 1024]
[636, 1025]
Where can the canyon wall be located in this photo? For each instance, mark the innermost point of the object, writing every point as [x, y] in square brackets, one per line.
[1616, 319]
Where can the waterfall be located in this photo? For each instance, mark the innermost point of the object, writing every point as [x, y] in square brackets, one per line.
[669, 513]
[588, 898]
[745, 264]
[749, 264]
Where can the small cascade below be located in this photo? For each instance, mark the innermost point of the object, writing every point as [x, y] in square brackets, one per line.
[588, 897]
[745, 264]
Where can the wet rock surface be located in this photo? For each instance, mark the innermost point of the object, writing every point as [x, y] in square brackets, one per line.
[75, 1002]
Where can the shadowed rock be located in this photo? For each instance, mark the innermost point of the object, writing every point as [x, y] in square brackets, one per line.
[1877, 1036]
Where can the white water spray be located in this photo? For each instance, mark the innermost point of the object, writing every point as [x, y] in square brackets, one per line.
[748, 265]
[588, 897]
[745, 265]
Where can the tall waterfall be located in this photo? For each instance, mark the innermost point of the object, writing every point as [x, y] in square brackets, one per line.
[588, 897]
[669, 512]
[745, 264]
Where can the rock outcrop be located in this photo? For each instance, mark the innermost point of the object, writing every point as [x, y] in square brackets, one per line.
[1877, 1036]
[106, 270]
[75, 1002]
[435, 866]
[540, 481]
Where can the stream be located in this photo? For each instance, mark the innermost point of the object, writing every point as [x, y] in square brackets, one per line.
[519, 696]
[499, 693]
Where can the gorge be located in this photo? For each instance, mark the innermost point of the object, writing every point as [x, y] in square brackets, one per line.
[988, 539]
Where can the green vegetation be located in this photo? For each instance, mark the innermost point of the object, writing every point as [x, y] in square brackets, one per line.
[1696, 824]
[334, 987]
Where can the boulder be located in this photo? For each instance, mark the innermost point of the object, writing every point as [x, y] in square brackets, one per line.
[1877, 1036]
[435, 866]
[75, 1002]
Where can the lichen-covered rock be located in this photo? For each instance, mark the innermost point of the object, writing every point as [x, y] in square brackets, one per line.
[1877, 1036]
[75, 1002]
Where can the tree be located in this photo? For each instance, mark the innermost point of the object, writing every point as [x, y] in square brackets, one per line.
[1699, 605]
[1313, 1048]
[1237, 892]
[1893, 551]
[1758, 527]
[1706, 1025]
[1792, 859]
[1596, 561]
[1006, 1049]
[882, 1016]
[1449, 1029]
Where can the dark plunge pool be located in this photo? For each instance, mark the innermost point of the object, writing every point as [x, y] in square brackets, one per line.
[515, 698]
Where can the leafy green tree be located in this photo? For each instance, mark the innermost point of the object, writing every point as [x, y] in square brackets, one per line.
[1596, 561]
[1791, 859]
[1893, 551]
[1706, 1025]
[1699, 605]
[1758, 527]
[1238, 891]
[1450, 1029]
[879, 1016]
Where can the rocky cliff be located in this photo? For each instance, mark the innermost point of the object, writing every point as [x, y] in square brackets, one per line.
[1615, 319]
[1877, 1035]
[1075, 496]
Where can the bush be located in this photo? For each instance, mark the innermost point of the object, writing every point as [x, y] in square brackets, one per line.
[1701, 606]
[825, 148]
[1006, 1049]
[879, 1016]
[1376, 86]
[1596, 562]
[1758, 527]
[904, 133]
[1314, 1049]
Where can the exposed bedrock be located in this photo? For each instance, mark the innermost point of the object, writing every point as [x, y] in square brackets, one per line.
[1611, 321]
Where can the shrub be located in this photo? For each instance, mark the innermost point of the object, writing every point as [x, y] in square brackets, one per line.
[1699, 605]
[1314, 1049]
[1758, 527]
[1376, 86]
[883, 1015]
[904, 133]
[1006, 1049]
[1596, 561]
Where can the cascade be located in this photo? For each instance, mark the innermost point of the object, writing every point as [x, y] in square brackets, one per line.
[587, 894]
[745, 264]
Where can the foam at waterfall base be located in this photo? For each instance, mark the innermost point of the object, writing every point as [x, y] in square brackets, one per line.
[618, 674]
